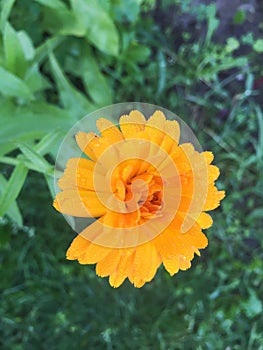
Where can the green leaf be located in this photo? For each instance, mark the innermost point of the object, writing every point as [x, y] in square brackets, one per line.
[75, 102]
[35, 158]
[13, 212]
[6, 7]
[14, 54]
[259, 115]
[258, 45]
[48, 142]
[13, 188]
[26, 44]
[213, 22]
[253, 306]
[120, 10]
[35, 80]
[20, 123]
[95, 83]
[62, 21]
[239, 17]
[232, 44]
[100, 29]
[50, 183]
[54, 4]
[48, 46]
[136, 53]
[13, 86]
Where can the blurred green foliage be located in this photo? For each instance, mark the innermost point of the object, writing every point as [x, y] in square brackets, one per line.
[60, 60]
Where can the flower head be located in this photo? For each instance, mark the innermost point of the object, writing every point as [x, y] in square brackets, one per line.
[148, 192]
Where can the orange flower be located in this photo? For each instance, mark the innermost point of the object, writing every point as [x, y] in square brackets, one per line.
[149, 194]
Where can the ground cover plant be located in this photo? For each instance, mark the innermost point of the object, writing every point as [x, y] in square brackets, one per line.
[60, 60]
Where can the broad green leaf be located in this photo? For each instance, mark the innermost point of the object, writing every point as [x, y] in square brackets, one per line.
[62, 22]
[35, 158]
[13, 86]
[137, 53]
[13, 212]
[21, 123]
[6, 7]
[14, 54]
[75, 102]
[6, 148]
[96, 84]
[100, 29]
[26, 44]
[13, 188]
[120, 9]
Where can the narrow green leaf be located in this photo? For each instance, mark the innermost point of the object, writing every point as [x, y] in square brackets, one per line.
[75, 102]
[48, 142]
[18, 160]
[14, 54]
[13, 188]
[13, 212]
[54, 4]
[50, 183]
[212, 24]
[100, 29]
[35, 80]
[35, 158]
[13, 86]
[48, 46]
[260, 133]
[26, 44]
[6, 7]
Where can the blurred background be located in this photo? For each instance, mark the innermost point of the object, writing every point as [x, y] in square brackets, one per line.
[60, 60]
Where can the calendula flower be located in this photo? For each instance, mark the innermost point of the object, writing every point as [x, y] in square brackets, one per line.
[148, 193]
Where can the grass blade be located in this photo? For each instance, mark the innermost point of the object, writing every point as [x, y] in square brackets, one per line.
[13, 188]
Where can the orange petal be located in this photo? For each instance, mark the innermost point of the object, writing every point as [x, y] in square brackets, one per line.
[168, 252]
[157, 120]
[108, 265]
[172, 129]
[79, 173]
[196, 237]
[79, 203]
[213, 198]
[132, 124]
[213, 173]
[93, 254]
[78, 246]
[123, 268]
[155, 127]
[109, 130]
[205, 220]
[146, 263]
[83, 139]
[208, 156]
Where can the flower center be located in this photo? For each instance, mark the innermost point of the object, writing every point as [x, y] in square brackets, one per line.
[139, 188]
